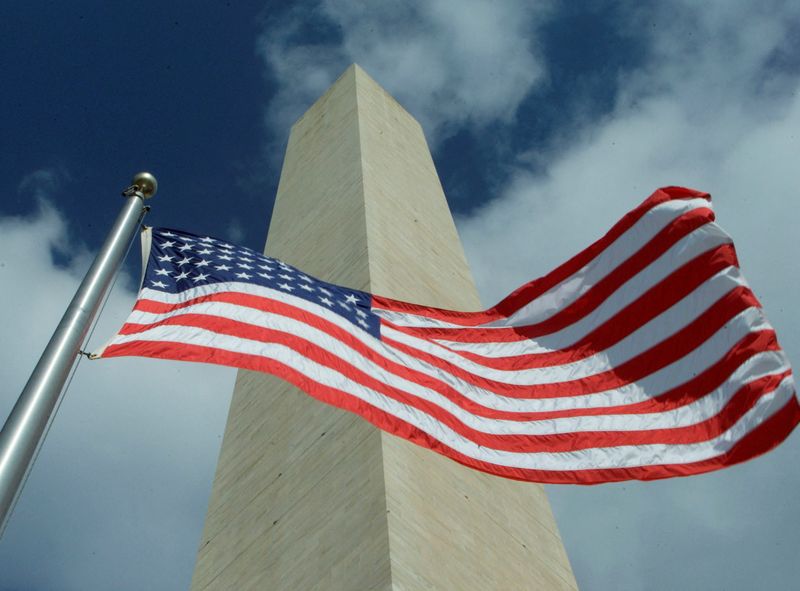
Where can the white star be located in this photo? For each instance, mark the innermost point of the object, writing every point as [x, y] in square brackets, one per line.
[207, 240]
[327, 292]
[170, 234]
[183, 275]
[306, 287]
[168, 244]
[362, 323]
[265, 267]
[243, 276]
[201, 263]
[245, 259]
[305, 278]
[199, 277]
[351, 299]
[284, 266]
[225, 245]
[265, 275]
[222, 268]
[166, 258]
[183, 261]
[361, 313]
[162, 272]
[286, 286]
[158, 283]
[205, 251]
[244, 265]
[344, 305]
[225, 257]
[326, 301]
[185, 247]
[285, 276]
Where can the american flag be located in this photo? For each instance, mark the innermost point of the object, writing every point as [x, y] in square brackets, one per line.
[645, 356]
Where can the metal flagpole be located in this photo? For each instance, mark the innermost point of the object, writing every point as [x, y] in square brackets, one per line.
[23, 431]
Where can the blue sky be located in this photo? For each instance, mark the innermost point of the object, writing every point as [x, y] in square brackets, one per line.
[547, 122]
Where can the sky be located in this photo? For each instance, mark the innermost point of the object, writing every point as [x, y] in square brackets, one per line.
[547, 122]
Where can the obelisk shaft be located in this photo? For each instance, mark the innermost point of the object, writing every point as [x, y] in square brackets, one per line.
[310, 497]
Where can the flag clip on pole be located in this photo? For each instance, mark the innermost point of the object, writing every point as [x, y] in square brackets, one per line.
[25, 427]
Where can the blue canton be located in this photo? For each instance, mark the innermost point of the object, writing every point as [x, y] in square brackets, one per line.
[179, 261]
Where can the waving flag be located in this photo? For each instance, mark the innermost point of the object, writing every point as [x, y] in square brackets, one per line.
[645, 356]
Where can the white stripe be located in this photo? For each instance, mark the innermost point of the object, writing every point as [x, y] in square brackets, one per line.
[709, 291]
[593, 458]
[571, 288]
[662, 381]
[698, 411]
[654, 385]
[749, 320]
[646, 336]
[694, 244]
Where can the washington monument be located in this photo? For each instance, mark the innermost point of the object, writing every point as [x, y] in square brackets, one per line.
[309, 497]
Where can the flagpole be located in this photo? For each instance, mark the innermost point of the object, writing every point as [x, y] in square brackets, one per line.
[25, 427]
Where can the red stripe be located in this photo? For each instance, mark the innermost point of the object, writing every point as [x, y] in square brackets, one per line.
[657, 357]
[683, 394]
[741, 402]
[699, 386]
[597, 294]
[561, 442]
[705, 382]
[647, 362]
[760, 440]
[648, 306]
[334, 331]
[530, 291]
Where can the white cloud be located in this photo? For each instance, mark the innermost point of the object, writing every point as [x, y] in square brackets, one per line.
[127, 461]
[450, 62]
[123, 479]
[235, 231]
[710, 111]
[744, 155]
[43, 181]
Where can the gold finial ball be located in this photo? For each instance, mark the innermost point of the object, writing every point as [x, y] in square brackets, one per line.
[146, 183]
